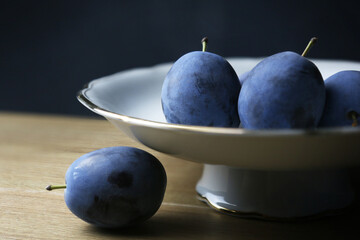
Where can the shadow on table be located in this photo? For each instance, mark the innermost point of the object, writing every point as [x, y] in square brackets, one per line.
[219, 226]
[213, 225]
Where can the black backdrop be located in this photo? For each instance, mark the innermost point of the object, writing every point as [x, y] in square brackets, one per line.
[50, 49]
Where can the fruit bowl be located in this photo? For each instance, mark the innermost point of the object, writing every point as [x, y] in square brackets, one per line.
[269, 174]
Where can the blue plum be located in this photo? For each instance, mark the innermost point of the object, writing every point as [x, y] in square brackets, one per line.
[115, 187]
[342, 107]
[243, 77]
[284, 90]
[201, 88]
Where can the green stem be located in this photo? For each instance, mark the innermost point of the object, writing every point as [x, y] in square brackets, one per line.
[52, 187]
[204, 42]
[310, 44]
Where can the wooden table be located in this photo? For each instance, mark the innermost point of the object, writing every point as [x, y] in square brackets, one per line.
[36, 150]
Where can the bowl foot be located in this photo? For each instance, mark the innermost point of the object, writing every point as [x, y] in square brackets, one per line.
[275, 195]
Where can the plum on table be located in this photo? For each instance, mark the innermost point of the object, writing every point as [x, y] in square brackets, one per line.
[114, 187]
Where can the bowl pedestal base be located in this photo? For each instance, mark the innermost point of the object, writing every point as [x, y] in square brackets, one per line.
[275, 195]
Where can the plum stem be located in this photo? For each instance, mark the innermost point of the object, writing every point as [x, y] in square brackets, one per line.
[354, 116]
[52, 187]
[310, 44]
[204, 42]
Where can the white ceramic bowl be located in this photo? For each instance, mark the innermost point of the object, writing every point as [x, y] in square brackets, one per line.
[131, 100]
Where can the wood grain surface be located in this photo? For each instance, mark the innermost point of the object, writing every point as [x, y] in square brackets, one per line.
[36, 150]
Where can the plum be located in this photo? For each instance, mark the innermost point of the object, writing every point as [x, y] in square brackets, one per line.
[115, 186]
[342, 107]
[243, 77]
[201, 88]
[284, 90]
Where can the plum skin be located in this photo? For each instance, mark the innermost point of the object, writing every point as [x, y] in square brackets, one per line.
[243, 77]
[342, 97]
[201, 88]
[115, 186]
[284, 90]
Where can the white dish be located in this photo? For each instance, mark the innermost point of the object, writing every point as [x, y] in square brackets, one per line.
[131, 101]
[244, 172]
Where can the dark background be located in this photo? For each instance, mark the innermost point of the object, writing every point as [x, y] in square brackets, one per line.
[50, 49]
